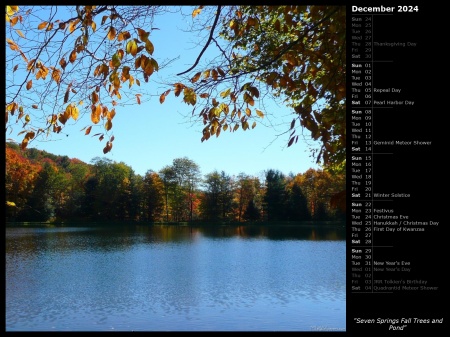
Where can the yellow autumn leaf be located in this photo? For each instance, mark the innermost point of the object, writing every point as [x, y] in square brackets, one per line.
[196, 11]
[11, 107]
[260, 113]
[68, 111]
[12, 44]
[154, 64]
[104, 111]
[19, 32]
[20, 112]
[73, 24]
[132, 47]
[10, 10]
[189, 96]
[95, 114]
[115, 61]
[75, 112]
[111, 114]
[44, 72]
[111, 33]
[149, 47]
[143, 35]
[225, 93]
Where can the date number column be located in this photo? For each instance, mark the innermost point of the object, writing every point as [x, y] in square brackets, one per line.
[361, 156]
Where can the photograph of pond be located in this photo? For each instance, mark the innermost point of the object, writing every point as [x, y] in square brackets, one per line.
[175, 168]
[175, 278]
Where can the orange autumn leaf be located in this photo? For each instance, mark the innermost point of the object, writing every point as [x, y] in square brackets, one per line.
[42, 25]
[95, 114]
[108, 125]
[73, 56]
[111, 33]
[56, 75]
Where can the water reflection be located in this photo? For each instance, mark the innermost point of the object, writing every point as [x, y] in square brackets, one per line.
[173, 278]
[124, 237]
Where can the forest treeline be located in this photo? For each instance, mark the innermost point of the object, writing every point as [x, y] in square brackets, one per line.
[41, 186]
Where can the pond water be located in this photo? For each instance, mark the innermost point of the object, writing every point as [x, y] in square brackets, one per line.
[175, 278]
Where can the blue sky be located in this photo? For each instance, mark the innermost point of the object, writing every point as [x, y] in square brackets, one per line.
[150, 135]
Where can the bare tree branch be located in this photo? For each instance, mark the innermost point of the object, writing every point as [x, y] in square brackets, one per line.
[207, 42]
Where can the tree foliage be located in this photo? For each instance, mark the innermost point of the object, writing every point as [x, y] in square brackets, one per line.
[41, 186]
[216, 203]
[73, 62]
[84, 62]
[293, 52]
[275, 195]
[153, 197]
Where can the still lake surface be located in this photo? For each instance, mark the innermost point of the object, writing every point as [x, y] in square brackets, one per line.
[175, 278]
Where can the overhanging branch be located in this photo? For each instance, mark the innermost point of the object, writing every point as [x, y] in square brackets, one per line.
[207, 42]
